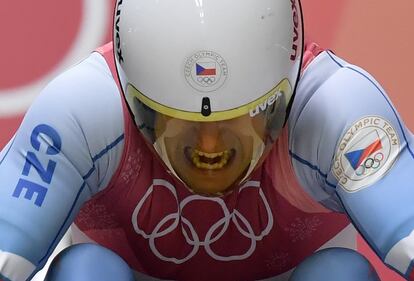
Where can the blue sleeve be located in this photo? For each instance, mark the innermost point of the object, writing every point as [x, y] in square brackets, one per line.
[58, 159]
[352, 152]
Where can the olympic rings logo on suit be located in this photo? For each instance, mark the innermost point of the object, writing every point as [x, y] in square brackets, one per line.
[212, 235]
[371, 163]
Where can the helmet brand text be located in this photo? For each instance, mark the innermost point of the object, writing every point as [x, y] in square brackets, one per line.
[263, 106]
[295, 30]
[117, 36]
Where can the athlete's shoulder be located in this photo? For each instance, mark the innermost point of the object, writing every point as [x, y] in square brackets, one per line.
[336, 82]
[332, 96]
[84, 106]
[87, 85]
[86, 93]
[316, 71]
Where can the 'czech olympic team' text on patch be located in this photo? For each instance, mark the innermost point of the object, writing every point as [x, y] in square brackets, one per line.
[366, 153]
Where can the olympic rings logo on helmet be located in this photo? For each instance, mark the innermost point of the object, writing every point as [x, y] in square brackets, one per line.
[203, 82]
[208, 81]
[371, 163]
[213, 234]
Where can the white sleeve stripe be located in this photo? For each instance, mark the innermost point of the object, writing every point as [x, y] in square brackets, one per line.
[401, 254]
[15, 267]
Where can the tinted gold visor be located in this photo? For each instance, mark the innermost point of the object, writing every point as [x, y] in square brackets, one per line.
[211, 154]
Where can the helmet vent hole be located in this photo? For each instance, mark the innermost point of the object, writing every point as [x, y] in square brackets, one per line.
[205, 107]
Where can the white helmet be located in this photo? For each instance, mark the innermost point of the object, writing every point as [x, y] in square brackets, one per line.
[209, 82]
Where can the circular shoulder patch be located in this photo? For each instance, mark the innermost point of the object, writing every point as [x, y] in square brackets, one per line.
[366, 153]
[206, 71]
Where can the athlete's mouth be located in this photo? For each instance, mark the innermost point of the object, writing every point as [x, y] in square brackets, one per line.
[209, 161]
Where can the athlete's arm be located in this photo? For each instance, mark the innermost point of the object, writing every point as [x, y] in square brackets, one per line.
[352, 152]
[66, 150]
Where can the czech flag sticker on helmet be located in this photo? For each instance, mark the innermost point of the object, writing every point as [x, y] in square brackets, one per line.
[206, 71]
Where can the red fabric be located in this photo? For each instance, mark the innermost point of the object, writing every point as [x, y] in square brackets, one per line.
[411, 277]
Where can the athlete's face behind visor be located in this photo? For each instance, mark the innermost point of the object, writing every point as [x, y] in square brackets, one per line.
[212, 157]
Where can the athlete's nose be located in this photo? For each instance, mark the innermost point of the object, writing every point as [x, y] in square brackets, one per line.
[208, 136]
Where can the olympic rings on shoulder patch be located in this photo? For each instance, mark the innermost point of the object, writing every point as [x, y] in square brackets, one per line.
[366, 153]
